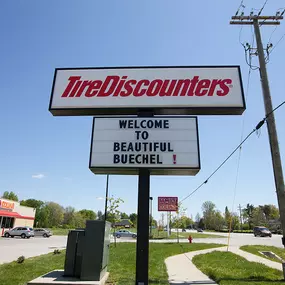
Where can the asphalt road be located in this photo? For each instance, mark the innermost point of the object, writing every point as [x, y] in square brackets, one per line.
[12, 248]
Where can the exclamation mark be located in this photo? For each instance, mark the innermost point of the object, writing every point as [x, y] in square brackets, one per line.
[174, 158]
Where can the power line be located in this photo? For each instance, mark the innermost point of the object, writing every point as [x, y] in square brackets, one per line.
[275, 109]
[277, 44]
[262, 7]
[241, 5]
[217, 169]
[258, 126]
[272, 34]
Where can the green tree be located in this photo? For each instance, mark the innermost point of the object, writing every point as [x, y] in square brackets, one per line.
[36, 204]
[79, 220]
[197, 218]
[44, 217]
[271, 212]
[154, 222]
[201, 224]
[248, 214]
[69, 217]
[88, 214]
[235, 221]
[133, 218]
[274, 212]
[181, 222]
[218, 221]
[10, 196]
[124, 216]
[113, 213]
[227, 217]
[258, 217]
[56, 213]
[208, 209]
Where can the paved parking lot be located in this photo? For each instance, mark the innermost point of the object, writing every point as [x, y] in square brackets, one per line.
[12, 248]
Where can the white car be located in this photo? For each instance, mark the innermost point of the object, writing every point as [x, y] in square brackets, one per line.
[23, 232]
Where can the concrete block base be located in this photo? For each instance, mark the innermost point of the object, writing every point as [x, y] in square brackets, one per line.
[56, 278]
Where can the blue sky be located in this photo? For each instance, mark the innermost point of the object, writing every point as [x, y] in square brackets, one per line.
[46, 157]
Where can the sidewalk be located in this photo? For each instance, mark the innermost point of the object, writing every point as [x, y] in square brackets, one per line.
[181, 270]
[254, 258]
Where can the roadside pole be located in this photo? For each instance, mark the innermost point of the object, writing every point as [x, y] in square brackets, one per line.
[270, 118]
[167, 227]
[143, 228]
[142, 258]
[271, 126]
[106, 198]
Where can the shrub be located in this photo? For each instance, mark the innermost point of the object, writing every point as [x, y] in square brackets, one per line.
[56, 251]
[21, 259]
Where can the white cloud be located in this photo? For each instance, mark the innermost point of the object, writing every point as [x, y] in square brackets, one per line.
[100, 198]
[38, 176]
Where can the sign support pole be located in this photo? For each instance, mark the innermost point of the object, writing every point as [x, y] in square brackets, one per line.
[142, 258]
[143, 228]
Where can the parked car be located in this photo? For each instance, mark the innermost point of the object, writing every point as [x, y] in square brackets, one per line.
[262, 232]
[124, 233]
[199, 230]
[42, 233]
[23, 232]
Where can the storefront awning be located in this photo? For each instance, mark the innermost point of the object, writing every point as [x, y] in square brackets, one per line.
[14, 215]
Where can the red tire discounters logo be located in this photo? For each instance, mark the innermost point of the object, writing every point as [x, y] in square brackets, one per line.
[164, 90]
[124, 86]
[168, 204]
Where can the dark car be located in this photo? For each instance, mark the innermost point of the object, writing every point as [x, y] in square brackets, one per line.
[199, 230]
[262, 232]
[42, 233]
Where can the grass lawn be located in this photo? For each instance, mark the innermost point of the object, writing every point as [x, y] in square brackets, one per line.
[227, 268]
[183, 235]
[155, 233]
[256, 248]
[123, 258]
[19, 274]
[60, 232]
[121, 266]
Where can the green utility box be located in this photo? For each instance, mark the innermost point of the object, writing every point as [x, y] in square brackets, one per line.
[87, 251]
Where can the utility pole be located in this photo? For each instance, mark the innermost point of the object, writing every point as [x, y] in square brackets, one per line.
[257, 21]
[240, 217]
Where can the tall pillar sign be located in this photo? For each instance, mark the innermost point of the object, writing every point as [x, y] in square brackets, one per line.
[130, 143]
[165, 145]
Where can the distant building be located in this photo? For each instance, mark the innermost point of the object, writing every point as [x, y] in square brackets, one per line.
[13, 215]
[123, 223]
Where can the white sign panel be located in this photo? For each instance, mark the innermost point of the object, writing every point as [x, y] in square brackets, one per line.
[164, 90]
[165, 145]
